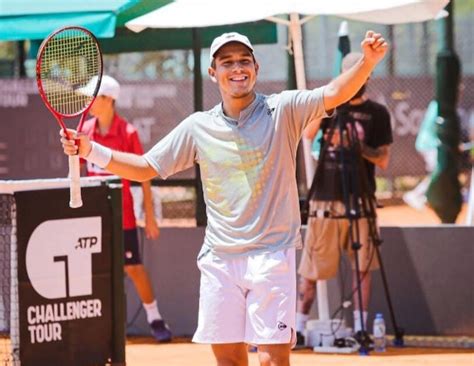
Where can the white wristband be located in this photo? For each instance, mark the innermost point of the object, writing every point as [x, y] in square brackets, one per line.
[99, 155]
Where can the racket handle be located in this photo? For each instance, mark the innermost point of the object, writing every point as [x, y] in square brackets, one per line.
[75, 182]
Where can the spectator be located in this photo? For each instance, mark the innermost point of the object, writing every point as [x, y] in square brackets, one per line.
[107, 127]
[328, 233]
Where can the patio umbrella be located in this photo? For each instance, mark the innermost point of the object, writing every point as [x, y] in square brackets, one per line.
[33, 20]
[20, 20]
[205, 13]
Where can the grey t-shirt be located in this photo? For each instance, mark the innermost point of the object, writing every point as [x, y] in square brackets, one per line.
[247, 169]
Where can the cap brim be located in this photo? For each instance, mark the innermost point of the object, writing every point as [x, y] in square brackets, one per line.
[86, 90]
[211, 56]
[90, 88]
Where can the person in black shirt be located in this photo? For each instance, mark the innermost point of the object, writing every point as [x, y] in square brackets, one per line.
[328, 234]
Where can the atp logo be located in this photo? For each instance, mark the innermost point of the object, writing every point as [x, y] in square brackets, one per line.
[59, 256]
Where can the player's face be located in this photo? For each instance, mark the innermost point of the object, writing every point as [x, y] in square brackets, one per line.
[235, 70]
[101, 105]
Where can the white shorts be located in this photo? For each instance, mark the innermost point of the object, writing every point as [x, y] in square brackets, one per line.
[249, 299]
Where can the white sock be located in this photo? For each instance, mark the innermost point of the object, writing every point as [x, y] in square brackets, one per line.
[301, 320]
[357, 325]
[152, 312]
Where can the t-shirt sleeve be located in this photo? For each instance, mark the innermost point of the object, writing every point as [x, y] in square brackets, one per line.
[304, 106]
[134, 144]
[383, 130]
[175, 152]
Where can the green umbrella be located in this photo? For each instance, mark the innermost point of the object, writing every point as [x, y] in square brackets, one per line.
[35, 20]
[20, 20]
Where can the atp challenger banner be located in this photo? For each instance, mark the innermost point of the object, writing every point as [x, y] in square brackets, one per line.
[64, 277]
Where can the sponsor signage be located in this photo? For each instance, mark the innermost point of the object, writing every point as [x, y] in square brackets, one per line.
[64, 277]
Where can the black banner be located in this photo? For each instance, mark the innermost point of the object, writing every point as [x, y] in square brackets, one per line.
[64, 277]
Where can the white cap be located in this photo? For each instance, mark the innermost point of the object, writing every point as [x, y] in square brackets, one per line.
[225, 38]
[108, 87]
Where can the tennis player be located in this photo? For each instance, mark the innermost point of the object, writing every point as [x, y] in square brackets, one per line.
[246, 150]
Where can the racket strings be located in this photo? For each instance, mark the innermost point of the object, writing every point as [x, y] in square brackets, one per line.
[70, 67]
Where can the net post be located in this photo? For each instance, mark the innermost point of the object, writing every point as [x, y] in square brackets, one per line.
[118, 294]
[9, 307]
[14, 299]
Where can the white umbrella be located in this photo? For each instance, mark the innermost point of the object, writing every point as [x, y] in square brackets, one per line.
[206, 13]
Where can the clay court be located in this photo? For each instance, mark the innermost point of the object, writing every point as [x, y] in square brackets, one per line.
[403, 215]
[145, 352]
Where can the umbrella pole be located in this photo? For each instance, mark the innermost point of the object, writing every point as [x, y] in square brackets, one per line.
[297, 43]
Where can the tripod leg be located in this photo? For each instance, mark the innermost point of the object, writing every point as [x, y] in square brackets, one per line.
[354, 240]
[364, 266]
[375, 237]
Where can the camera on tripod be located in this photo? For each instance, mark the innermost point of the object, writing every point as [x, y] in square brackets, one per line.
[343, 188]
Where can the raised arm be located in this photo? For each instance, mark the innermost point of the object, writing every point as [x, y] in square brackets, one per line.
[346, 85]
[126, 165]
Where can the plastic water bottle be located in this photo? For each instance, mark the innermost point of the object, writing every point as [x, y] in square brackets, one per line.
[379, 333]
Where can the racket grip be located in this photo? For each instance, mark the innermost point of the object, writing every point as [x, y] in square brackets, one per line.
[75, 182]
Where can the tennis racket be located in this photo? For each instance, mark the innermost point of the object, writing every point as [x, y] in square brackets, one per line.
[68, 74]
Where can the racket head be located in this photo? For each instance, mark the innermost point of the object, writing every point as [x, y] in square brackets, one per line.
[69, 71]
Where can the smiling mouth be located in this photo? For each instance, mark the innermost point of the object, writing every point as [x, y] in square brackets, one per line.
[239, 78]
